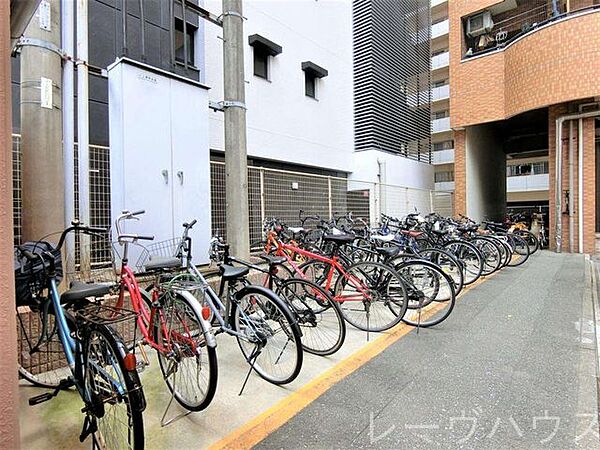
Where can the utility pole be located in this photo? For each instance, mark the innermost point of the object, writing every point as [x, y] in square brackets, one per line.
[41, 124]
[236, 165]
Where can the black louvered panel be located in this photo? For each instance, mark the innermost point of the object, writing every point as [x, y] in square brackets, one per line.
[392, 77]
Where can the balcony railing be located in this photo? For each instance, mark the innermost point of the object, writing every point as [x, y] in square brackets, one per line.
[441, 60]
[437, 2]
[443, 156]
[444, 186]
[440, 125]
[440, 93]
[509, 26]
[440, 29]
[527, 183]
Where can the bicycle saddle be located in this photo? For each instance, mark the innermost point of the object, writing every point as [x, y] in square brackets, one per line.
[160, 263]
[339, 239]
[79, 291]
[412, 233]
[231, 273]
[273, 260]
[296, 230]
[388, 252]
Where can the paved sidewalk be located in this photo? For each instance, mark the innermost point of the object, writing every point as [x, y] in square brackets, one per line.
[513, 367]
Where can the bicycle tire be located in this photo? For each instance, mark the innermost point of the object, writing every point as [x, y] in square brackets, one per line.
[255, 323]
[316, 313]
[407, 269]
[182, 319]
[383, 286]
[110, 357]
[50, 355]
[472, 269]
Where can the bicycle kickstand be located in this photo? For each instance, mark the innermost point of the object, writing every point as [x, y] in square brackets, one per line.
[251, 360]
[163, 422]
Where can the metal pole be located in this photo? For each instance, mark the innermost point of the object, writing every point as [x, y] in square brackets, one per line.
[329, 199]
[571, 196]
[262, 196]
[9, 400]
[83, 146]
[41, 124]
[580, 187]
[236, 164]
[124, 25]
[68, 124]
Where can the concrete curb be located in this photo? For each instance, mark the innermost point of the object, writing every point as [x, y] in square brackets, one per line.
[591, 290]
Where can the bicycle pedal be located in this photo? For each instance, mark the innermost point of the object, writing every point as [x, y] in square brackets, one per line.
[40, 398]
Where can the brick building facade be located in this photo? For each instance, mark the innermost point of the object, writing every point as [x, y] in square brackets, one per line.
[520, 87]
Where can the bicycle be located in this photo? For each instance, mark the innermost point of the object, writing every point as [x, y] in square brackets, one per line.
[321, 322]
[266, 331]
[376, 286]
[171, 321]
[101, 368]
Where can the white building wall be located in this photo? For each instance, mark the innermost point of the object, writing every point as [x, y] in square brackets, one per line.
[283, 123]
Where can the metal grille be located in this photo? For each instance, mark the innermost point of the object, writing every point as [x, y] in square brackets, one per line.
[392, 77]
[17, 188]
[282, 194]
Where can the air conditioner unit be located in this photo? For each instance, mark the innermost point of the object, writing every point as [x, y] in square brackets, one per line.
[479, 24]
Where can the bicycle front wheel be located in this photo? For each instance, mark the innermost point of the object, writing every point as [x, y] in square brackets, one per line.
[268, 334]
[372, 296]
[114, 393]
[189, 365]
[321, 322]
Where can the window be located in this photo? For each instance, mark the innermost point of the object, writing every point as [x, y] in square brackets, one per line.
[310, 85]
[261, 62]
[182, 40]
[440, 83]
[445, 145]
[312, 71]
[440, 114]
[444, 177]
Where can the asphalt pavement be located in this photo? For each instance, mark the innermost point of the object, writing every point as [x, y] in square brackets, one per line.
[513, 367]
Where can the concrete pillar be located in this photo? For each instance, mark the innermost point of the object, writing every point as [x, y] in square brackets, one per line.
[485, 173]
[9, 401]
[41, 128]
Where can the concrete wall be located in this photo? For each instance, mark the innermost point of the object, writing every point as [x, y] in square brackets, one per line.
[398, 171]
[485, 173]
[283, 123]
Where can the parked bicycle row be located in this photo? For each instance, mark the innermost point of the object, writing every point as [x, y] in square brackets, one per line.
[313, 281]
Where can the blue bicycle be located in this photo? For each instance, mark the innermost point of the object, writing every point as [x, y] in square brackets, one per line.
[99, 364]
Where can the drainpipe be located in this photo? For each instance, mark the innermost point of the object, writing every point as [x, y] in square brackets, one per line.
[571, 206]
[68, 117]
[83, 146]
[555, 11]
[382, 188]
[580, 185]
[558, 178]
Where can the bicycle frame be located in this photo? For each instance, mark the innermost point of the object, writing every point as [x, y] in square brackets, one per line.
[289, 251]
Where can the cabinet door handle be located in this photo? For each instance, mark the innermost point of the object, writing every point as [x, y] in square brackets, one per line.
[180, 176]
[165, 174]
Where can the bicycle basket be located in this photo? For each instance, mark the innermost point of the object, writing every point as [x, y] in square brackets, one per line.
[92, 261]
[31, 277]
[163, 249]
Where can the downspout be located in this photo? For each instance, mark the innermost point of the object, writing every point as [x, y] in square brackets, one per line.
[555, 11]
[382, 188]
[571, 206]
[83, 146]
[68, 118]
[558, 177]
[580, 185]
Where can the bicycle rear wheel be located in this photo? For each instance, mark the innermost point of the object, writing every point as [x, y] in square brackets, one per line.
[321, 322]
[372, 296]
[190, 366]
[469, 256]
[115, 394]
[270, 337]
[430, 291]
[43, 365]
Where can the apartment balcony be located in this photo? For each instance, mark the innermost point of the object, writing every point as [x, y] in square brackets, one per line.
[440, 93]
[440, 125]
[440, 29]
[528, 183]
[444, 186]
[435, 3]
[443, 156]
[440, 61]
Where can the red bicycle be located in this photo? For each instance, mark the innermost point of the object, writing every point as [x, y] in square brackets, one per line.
[172, 321]
[372, 296]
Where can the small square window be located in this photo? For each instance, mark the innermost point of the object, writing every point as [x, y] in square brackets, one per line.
[261, 63]
[310, 85]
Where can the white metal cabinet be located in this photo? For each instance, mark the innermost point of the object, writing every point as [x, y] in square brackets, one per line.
[159, 152]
